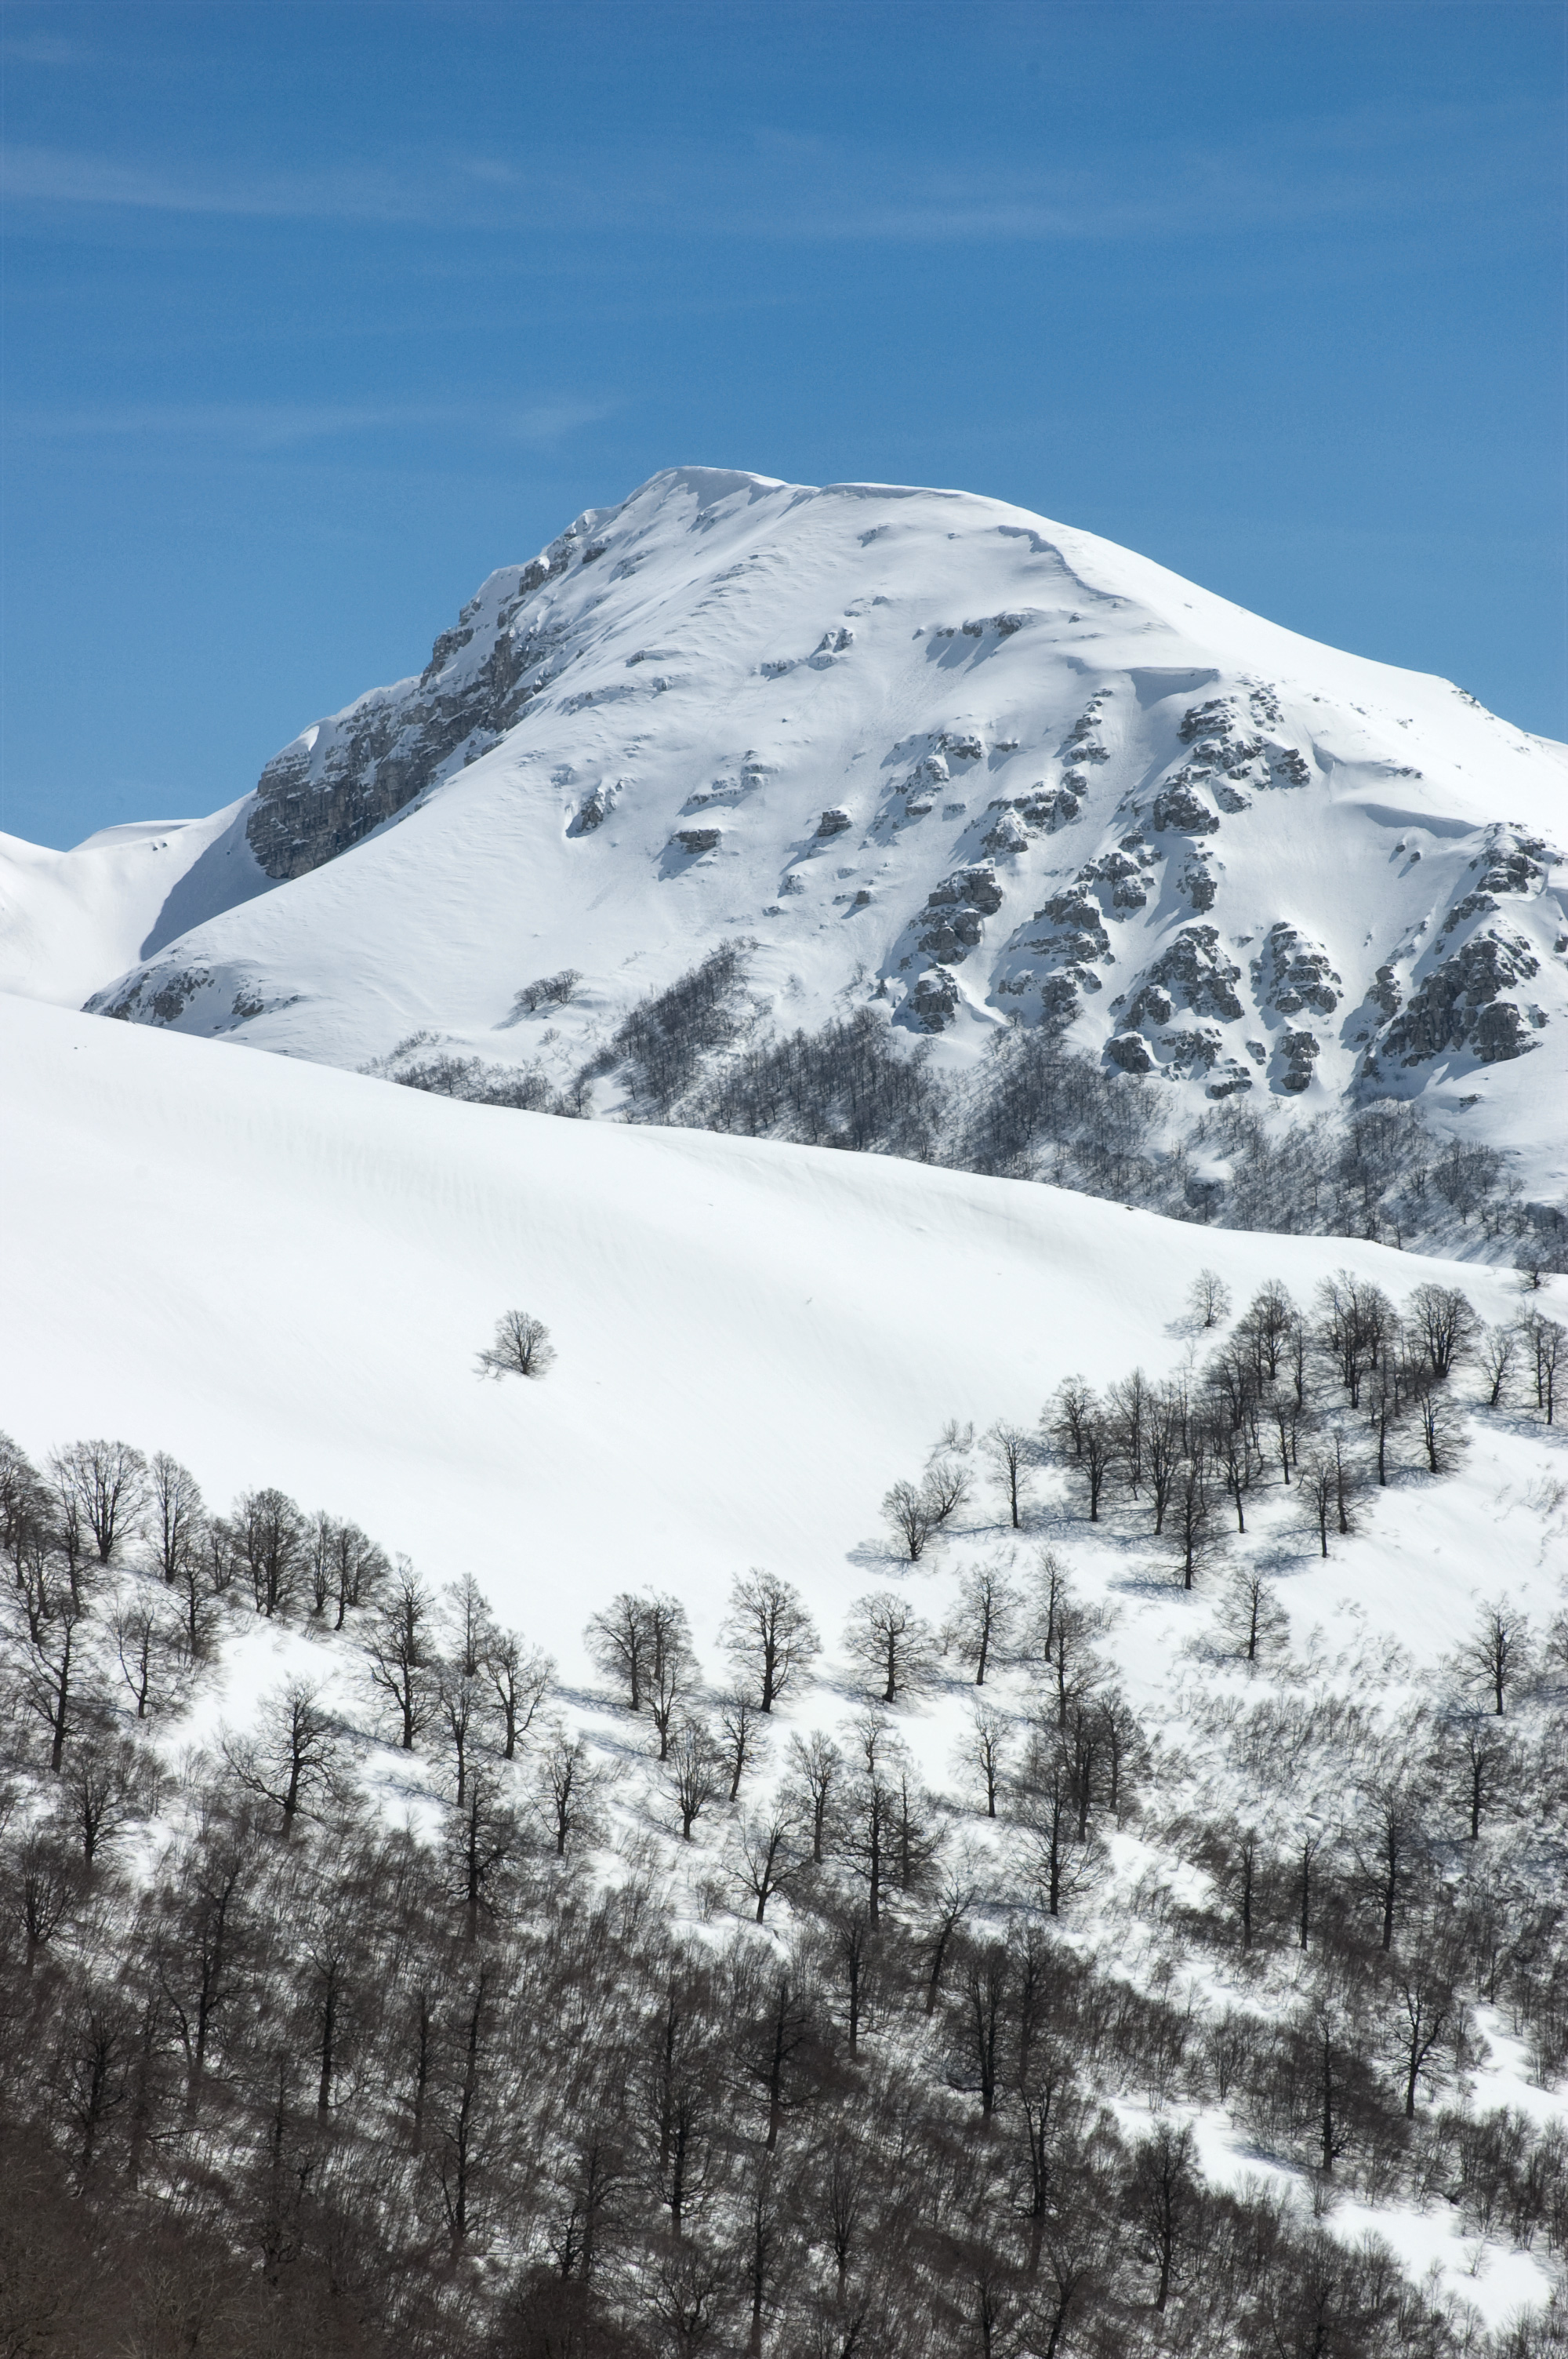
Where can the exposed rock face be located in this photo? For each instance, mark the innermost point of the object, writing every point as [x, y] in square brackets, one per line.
[1192, 972]
[342, 778]
[1294, 972]
[1461, 1003]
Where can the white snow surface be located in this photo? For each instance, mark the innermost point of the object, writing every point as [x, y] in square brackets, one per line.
[711, 667]
[71, 921]
[282, 1274]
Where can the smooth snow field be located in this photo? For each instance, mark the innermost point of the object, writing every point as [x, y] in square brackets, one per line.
[282, 1274]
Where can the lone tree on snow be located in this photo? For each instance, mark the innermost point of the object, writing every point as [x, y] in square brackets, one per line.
[522, 1347]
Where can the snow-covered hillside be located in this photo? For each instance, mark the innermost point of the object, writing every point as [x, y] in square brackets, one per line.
[282, 1274]
[932, 754]
[71, 921]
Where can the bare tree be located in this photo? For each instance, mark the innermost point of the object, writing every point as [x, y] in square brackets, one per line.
[815, 1774]
[456, 1712]
[891, 1642]
[568, 1785]
[106, 1484]
[769, 1856]
[620, 1644]
[146, 1646]
[983, 1751]
[267, 1534]
[1499, 1356]
[908, 1510]
[1208, 1299]
[1011, 1450]
[673, 1675]
[53, 1686]
[522, 1347]
[769, 1635]
[1252, 1618]
[106, 1788]
[1498, 1654]
[1486, 1762]
[696, 1772]
[293, 1755]
[1544, 1340]
[984, 1620]
[1445, 1326]
[1442, 1429]
[176, 1517]
[1192, 1533]
[518, 1679]
[945, 1490]
[402, 1653]
[742, 1739]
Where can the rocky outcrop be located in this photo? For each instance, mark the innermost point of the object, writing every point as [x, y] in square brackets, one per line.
[342, 779]
[1462, 1003]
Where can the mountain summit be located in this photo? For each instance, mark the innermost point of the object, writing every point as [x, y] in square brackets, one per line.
[919, 751]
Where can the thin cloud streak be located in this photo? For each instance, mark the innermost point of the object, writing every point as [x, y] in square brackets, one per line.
[791, 189]
[286, 425]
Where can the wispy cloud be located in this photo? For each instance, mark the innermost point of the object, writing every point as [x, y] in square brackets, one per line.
[56, 175]
[776, 185]
[284, 425]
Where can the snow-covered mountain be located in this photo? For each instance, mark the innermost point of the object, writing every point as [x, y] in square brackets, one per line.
[928, 751]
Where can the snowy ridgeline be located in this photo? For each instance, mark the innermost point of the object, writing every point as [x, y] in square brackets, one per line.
[929, 1981]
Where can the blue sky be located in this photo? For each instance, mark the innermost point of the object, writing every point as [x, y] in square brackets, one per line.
[313, 315]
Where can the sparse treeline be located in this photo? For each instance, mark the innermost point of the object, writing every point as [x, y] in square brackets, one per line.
[699, 1052]
[730, 2035]
[1328, 1402]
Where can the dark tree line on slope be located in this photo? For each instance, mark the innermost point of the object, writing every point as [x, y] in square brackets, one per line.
[320, 2084]
[1036, 1109]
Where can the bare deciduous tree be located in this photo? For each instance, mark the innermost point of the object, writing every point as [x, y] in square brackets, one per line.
[1208, 1299]
[984, 1750]
[1444, 1325]
[568, 1783]
[146, 1646]
[1498, 1357]
[891, 1643]
[402, 1652]
[769, 1635]
[696, 1772]
[518, 1679]
[1498, 1654]
[815, 1774]
[267, 1534]
[106, 1484]
[1254, 1623]
[1011, 1450]
[177, 1516]
[741, 1737]
[292, 1757]
[983, 1622]
[522, 1347]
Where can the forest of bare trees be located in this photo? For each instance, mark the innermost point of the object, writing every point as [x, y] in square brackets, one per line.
[412, 2007]
[699, 1052]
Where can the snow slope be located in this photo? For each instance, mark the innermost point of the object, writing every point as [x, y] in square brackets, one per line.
[928, 750]
[281, 1273]
[71, 921]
